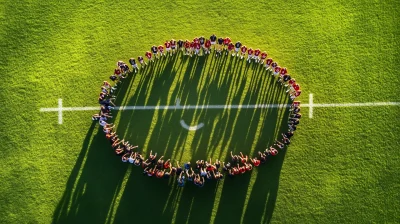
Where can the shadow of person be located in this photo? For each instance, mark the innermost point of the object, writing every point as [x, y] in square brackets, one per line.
[93, 183]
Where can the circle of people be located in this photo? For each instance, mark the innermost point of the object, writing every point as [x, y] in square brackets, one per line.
[202, 170]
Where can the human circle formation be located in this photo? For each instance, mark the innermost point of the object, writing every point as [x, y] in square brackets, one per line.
[202, 170]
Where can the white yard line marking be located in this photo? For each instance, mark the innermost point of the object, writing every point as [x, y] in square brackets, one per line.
[60, 110]
[310, 105]
[56, 109]
[195, 107]
[240, 106]
[191, 128]
[369, 104]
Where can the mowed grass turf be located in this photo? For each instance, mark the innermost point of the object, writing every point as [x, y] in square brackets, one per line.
[342, 165]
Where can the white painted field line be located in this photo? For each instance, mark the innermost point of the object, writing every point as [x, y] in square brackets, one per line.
[56, 109]
[369, 104]
[60, 110]
[195, 107]
[191, 128]
[310, 104]
[243, 106]
[177, 106]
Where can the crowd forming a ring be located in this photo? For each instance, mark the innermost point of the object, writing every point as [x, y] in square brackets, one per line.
[201, 171]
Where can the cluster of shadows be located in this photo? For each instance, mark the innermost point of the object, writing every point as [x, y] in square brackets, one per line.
[102, 189]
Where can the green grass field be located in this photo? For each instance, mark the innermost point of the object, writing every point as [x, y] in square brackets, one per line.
[342, 165]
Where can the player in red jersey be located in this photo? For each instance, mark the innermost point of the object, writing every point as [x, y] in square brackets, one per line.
[141, 61]
[173, 46]
[167, 47]
[263, 57]
[293, 87]
[242, 169]
[197, 47]
[277, 69]
[227, 41]
[195, 42]
[255, 161]
[243, 50]
[248, 166]
[207, 47]
[268, 63]
[290, 84]
[295, 94]
[118, 73]
[272, 151]
[283, 71]
[187, 47]
[161, 50]
[256, 56]
[250, 54]
[231, 46]
[149, 56]
[191, 49]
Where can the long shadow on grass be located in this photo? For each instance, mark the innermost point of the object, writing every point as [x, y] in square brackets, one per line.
[93, 183]
[102, 189]
[95, 180]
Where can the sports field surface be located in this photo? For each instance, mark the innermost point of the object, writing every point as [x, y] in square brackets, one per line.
[341, 167]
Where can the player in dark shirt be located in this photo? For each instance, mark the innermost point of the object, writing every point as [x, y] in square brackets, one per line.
[173, 46]
[238, 45]
[180, 45]
[296, 115]
[132, 61]
[202, 41]
[213, 40]
[288, 134]
[141, 61]
[284, 79]
[154, 50]
[220, 45]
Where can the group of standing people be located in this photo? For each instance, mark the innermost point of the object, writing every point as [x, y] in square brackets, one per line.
[202, 170]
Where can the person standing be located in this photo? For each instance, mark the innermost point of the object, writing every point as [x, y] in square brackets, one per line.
[213, 40]
[238, 45]
[167, 47]
[132, 61]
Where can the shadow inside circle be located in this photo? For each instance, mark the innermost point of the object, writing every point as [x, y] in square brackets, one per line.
[102, 189]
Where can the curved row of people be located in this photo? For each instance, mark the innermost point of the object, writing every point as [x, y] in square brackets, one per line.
[204, 170]
[200, 46]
